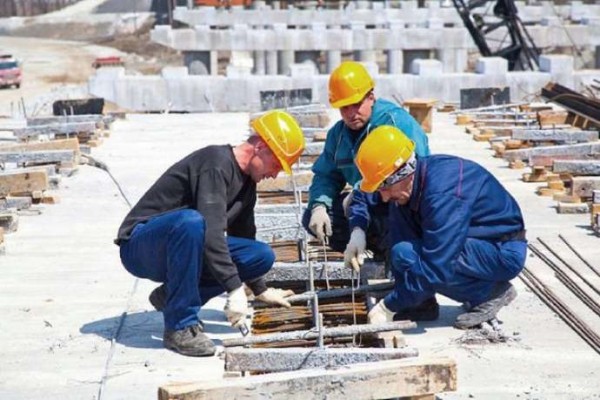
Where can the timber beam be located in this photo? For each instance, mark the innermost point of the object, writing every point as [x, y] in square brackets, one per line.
[417, 376]
[293, 359]
[340, 331]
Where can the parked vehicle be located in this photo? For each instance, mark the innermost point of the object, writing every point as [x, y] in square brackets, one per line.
[10, 71]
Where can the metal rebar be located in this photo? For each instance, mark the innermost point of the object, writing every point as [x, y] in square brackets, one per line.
[567, 265]
[313, 334]
[565, 313]
[579, 255]
[568, 282]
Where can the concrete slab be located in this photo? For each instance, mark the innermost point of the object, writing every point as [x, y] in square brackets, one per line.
[64, 292]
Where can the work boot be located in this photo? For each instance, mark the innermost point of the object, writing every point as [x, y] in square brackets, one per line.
[189, 341]
[429, 310]
[502, 295]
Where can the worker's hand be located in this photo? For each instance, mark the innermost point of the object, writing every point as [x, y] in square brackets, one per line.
[236, 307]
[380, 314]
[320, 223]
[346, 203]
[276, 297]
[354, 255]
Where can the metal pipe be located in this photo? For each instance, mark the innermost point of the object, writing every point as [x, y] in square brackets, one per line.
[313, 334]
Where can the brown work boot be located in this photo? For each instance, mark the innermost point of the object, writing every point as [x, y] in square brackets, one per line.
[502, 295]
[429, 310]
[189, 341]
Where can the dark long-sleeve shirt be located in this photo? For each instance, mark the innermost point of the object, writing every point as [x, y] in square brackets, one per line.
[210, 181]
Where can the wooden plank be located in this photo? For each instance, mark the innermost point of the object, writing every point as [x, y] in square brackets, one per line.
[562, 135]
[47, 156]
[59, 144]
[379, 380]
[22, 182]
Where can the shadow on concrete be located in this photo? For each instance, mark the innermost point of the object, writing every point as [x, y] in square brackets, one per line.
[145, 329]
[448, 314]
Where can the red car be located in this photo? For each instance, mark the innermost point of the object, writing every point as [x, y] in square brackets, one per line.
[10, 72]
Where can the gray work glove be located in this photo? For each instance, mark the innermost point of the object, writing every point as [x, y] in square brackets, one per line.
[236, 307]
[380, 314]
[320, 223]
[275, 297]
[354, 255]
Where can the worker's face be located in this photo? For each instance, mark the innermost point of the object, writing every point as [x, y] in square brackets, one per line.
[356, 116]
[399, 192]
[264, 164]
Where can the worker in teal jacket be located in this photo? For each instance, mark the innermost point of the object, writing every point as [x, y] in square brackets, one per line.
[351, 89]
[453, 228]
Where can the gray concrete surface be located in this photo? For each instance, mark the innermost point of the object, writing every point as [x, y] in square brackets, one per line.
[64, 292]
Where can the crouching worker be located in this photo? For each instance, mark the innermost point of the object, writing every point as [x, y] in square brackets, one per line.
[194, 231]
[454, 229]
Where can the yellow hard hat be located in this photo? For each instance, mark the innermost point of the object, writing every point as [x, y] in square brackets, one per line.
[348, 84]
[283, 135]
[382, 152]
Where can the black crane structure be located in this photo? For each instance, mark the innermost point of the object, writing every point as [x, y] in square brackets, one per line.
[500, 34]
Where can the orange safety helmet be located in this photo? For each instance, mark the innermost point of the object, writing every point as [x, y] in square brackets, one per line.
[348, 84]
[283, 135]
[382, 152]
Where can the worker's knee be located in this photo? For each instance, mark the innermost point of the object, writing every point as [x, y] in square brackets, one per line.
[404, 255]
[266, 255]
[189, 224]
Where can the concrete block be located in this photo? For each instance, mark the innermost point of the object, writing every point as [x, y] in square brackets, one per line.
[238, 71]
[556, 64]
[435, 23]
[174, 72]
[302, 70]
[426, 67]
[395, 24]
[491, 66]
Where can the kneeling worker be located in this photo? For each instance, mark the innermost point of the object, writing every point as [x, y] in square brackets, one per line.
[194, 231]
[454, 229]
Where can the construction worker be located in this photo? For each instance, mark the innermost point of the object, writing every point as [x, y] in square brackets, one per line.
[453, 228]
[351, 90]
[194, 231]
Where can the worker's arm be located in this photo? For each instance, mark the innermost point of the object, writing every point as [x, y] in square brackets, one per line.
[444, 224]
[328, 181]
[358, 209]
[211, 202]
[244, 225]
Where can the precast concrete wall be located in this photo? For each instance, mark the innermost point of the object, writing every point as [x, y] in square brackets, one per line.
[177, 91]
[276, 38]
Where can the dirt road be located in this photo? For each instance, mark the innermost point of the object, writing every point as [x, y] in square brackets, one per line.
[48, 65]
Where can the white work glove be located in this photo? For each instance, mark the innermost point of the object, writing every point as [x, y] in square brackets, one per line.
[236, 307]
[346, 203]
[320, 223]
[275, 297]
[380, 314]
[354, 255]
